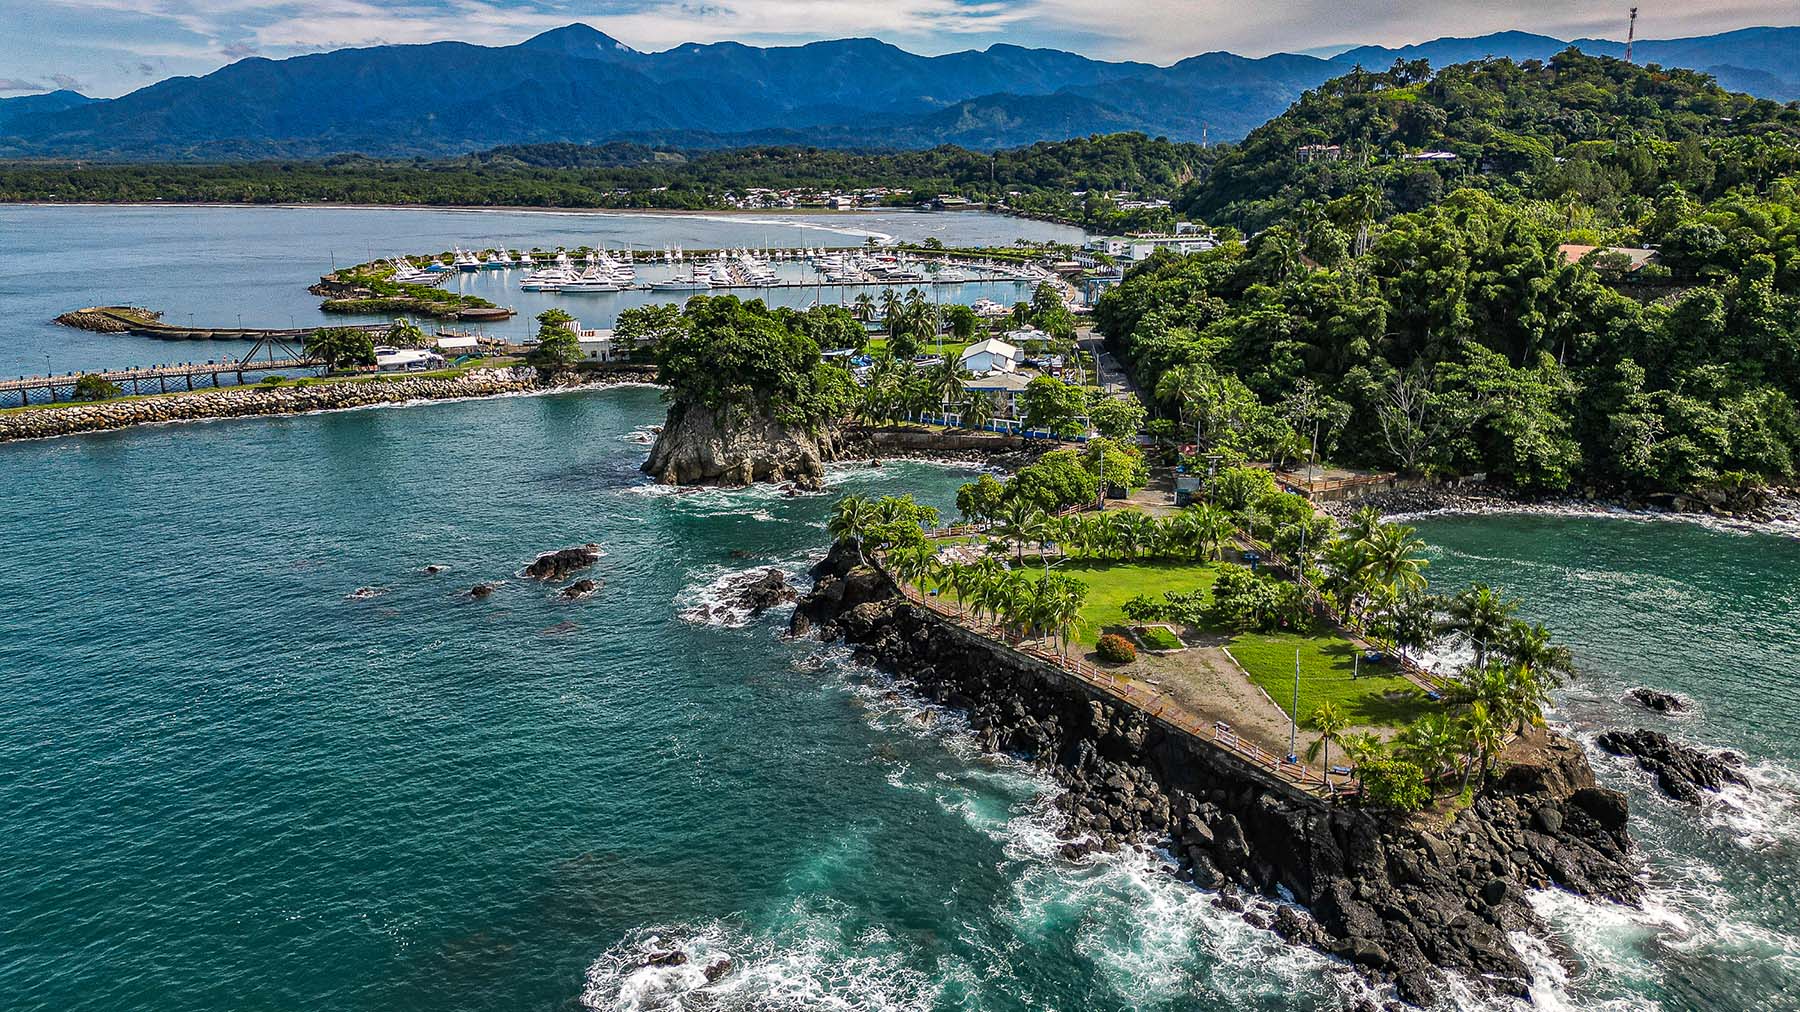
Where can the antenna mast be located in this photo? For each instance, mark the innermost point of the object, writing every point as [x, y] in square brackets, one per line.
[1630, 35]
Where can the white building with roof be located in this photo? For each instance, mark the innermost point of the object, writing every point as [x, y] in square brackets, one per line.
[990, 356]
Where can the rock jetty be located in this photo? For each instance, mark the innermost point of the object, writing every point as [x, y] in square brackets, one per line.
[1402, 899]
[249, 401]
[739, 446]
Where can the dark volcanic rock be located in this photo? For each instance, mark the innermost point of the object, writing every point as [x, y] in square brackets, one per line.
[1405, 900]
[1660, 702]
[560, 563]
[1681, 771]
[433, 569]
[762, 591]
[482, 590]
[579, 589]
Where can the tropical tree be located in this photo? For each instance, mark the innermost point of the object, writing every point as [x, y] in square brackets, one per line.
[1394, 555]
[1329, 721]
[1480, 616]
[1021, 522]
[340, 347]
[850, 517]
[1434, 741]
[946, 382]
[1482, 737]
[1530, 645]
[863, 307]
[977, 410]
[404, 333]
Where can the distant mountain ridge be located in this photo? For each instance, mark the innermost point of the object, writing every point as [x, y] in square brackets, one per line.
[577, 84]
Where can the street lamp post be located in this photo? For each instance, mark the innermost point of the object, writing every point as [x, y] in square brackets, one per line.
[1294, 713]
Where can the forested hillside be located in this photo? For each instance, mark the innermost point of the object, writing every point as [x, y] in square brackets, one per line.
[1446, 333]
[1593, 129]
[1039, 179]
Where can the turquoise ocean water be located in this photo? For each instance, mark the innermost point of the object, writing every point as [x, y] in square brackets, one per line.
[231, 783]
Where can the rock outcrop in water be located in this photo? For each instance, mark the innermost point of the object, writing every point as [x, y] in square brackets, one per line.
[1656, 700]
[1681, 771]
[1401, 899]
[739, 446]
[563, 561]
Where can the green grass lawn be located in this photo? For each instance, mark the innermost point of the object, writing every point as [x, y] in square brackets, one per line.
[1111, 584]
[1377, 697]
[1156, 637]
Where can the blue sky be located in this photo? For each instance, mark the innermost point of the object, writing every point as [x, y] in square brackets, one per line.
[109, 47]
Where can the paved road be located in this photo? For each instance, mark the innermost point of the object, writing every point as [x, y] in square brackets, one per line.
[1112, 379]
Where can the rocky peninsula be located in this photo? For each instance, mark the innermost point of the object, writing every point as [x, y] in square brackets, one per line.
[1404, 899]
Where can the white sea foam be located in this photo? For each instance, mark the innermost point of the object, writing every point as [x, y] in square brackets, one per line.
[710, 599]
[1765, 812]
[808, 964]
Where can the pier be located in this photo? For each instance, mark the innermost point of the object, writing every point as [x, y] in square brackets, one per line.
[26, 391]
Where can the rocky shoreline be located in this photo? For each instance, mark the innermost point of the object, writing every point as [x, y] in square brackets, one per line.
[250, 401]
[1781, 508]
[1401, 899]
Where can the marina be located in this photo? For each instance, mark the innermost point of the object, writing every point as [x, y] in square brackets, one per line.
[597, 270]
[205, 268]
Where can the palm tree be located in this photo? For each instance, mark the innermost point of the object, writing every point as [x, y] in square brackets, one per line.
[850, 518]
[863, 307]
[977, 410]
[913, 563]
[1481, 616]
[890, 312]
[1189, 388]
[1482, 735]
[1363, 524]
[1348, 573]
[1022, 522]
[1394, 556]
[1433, 741]
[1329, 721]
[1212, 526]
[1531, 646]
[946, 381]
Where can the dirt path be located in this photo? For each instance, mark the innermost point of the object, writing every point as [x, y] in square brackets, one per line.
[1206, 681]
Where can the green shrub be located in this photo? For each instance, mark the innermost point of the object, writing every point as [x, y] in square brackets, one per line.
[95, 388]
[1115, 649]
[1393, 783]
[1143, 608]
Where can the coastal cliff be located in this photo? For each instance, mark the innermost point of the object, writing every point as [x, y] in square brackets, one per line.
[1403, 899]
[738, 445]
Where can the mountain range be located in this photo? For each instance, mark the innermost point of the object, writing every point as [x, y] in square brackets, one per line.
[577, 84]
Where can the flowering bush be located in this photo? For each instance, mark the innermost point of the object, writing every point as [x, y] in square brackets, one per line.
[1115, 649]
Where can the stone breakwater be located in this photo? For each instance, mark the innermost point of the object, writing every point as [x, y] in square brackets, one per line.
[1402, 899]
[249, 401]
